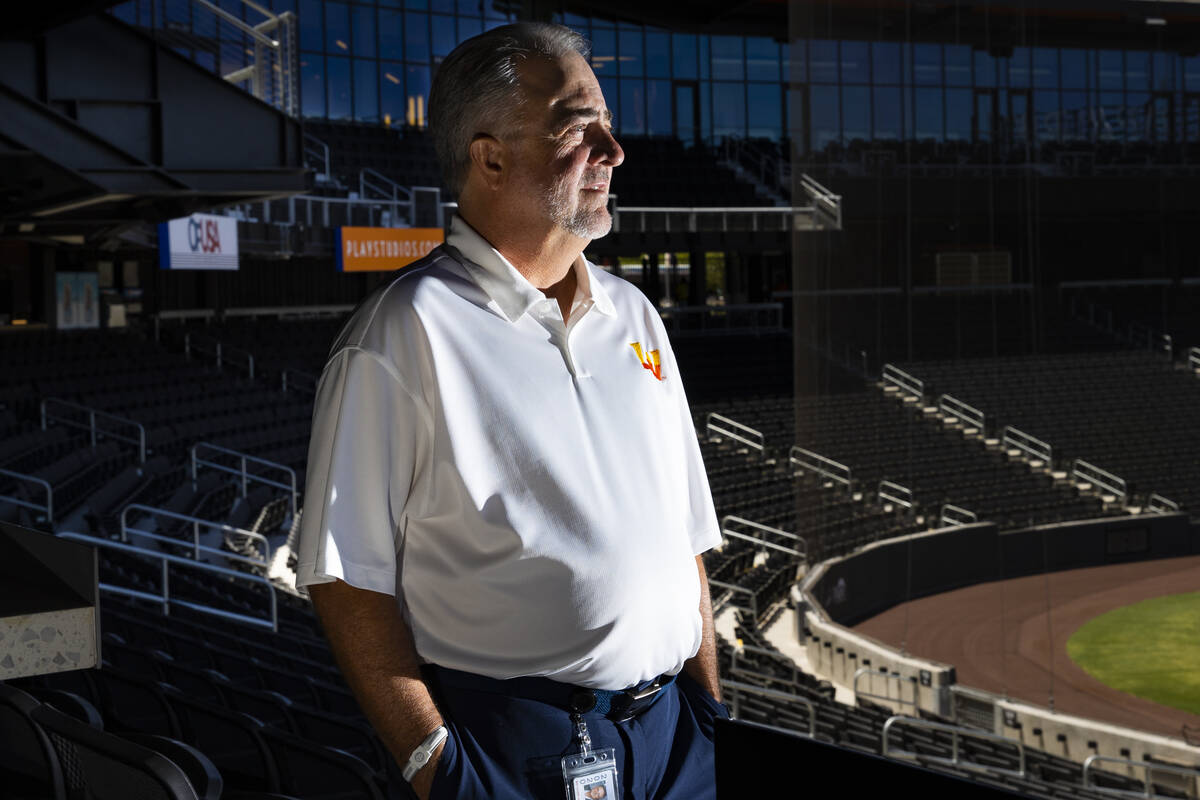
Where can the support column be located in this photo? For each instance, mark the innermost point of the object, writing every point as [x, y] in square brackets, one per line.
[651, 278]
[697, 278]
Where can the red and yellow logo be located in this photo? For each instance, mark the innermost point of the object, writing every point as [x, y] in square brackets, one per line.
[649, 359]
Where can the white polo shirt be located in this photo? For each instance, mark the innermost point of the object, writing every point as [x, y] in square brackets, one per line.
[531, 491]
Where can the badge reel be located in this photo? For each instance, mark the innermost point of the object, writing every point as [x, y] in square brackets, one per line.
[590, 774]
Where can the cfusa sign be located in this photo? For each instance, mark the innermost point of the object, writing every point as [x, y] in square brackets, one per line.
[201, 241]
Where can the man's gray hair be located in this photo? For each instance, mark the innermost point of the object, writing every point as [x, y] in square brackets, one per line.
[477, 88]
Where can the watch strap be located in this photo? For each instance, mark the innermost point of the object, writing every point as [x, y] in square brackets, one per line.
[420, 757]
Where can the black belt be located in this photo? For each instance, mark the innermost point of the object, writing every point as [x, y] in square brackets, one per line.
[618, 706]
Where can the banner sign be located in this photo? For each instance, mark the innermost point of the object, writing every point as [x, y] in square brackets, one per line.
[201, 241]
[76, 300]
[383, 249]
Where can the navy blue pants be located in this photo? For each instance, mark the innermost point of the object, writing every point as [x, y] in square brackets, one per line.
[506, 747]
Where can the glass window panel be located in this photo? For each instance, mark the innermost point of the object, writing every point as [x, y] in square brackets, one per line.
[630, 44]
[728, 58]
[958, 64]
[705, 61]
[1076, 118]
[442, 6]
[468, 27]
[1110, 122]
[1045, 68]
[658, 107]
[798, 61]
[612, 94]
[706, 110]
[571, 20]
[658, 55]
[927, 64]
[1018, 68]
[206, 60]
[633, 107]
[473, 8]
[929, 114]
[312, 85]
[729, 109]
[126, 12]
[795, 119]
[822, 63]
[985, 68]
[1138, 117]
[856, 113]
[1110, 69]
[366, 95]
[337, 28]
[416, 79]
[886, 116]
[684, 55]
[762, 59]
[392, 101]
[785, 61]
[1046, 116]
[1074, 68]
[311, 29]
[856, 64]
[337, 85]
[390, 3]
[444, 38]
[364, 32]
[959, 105]
[417, 5]
[604, 51]
[1137, 70]
[279, 6]
[391, 38]
[826, 117]
[763, 103]
[416, 37]
[1191, 73]
[1164, 72]
[885, 62]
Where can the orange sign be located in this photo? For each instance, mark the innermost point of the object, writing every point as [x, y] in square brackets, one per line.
[384, 249]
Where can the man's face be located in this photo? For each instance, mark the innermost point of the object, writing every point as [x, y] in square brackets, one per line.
[564, 151]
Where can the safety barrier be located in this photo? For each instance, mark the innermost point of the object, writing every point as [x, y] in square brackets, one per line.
[724, 426]
[957, 409]
[220, 353]
[730, 521]
[47, 509]
[196, 523]
[814, 462]
[740, 318]
[955, 733]
[296, 380]
[900, 495]
[94, 417]
[1157, 504]
[735, 689]
[1188, 785]
[1084, 472]
[165, 598]
[904, 382]
[955, 515]
[1031, 446]
[244, 477]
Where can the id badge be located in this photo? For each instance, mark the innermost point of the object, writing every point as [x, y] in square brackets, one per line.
[591, 775]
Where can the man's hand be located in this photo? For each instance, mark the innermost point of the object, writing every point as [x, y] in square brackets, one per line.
[703, 666]
[374, 649]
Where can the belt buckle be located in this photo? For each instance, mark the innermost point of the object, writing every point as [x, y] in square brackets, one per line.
[627, 703]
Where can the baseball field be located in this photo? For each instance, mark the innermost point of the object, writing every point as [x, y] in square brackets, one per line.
[1150, 649]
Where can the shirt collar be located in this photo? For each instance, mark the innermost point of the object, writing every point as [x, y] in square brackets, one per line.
[507, 287]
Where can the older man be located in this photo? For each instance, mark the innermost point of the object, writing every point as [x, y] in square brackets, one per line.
[506, 505]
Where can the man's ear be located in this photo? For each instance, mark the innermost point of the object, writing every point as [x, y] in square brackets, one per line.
[489, 158]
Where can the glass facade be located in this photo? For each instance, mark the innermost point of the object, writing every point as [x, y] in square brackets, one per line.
[372, 61]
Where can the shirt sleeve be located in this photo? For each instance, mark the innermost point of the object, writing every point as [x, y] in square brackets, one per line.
[366, 436]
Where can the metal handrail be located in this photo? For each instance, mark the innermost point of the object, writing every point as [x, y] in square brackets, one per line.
[824, 200]
[219, 351]
[1030, 445]
[165, 599]
[295, 373]
[793, 537]
[245, 476]
[48, 508]
[196, 524]
[323, 153]
[955, 732]
[761, 543]
[1150, 767]
[954, 407]
[93, 415]
[758, 443]
[915, 702]
[1194, 357]
[733, 588]
[735, 701]
[820, 464]
[957, 515]
[901, 495]
[633, 218]
[1085, 471]
[1158, 504]
[733, 315]
[378, 182]
[909, 384]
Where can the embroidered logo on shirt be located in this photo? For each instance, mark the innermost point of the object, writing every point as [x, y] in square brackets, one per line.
[649, 359]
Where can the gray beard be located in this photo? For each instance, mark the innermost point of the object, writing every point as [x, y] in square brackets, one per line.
[586, 223]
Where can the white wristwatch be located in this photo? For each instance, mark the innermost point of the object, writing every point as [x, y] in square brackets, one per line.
[420, 757]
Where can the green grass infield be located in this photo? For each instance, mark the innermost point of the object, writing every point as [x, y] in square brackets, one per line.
[1150, 649]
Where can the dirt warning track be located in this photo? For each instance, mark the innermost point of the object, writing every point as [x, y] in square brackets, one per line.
[1011, 636]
